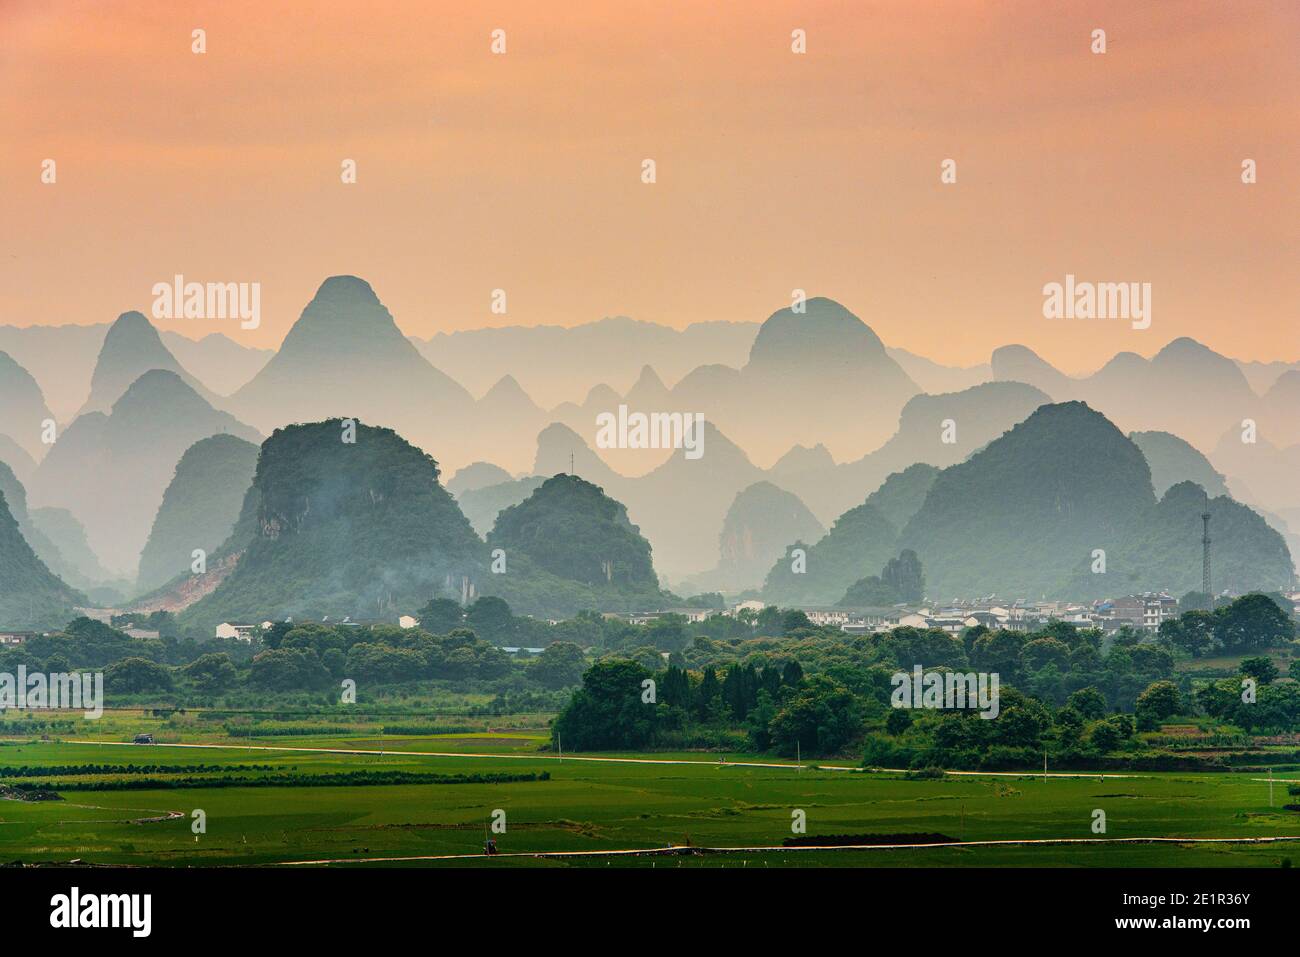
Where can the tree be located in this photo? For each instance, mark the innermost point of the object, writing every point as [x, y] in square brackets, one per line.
[794, 620]
[274, 635]
[490, 618]
[675, 688]
[668, 632]
[769, 621]
[899, 720]
[440, 616]
[905, 576]
[1089, 702]
[1252, 622]
[1041, 652]
[212, 673]
[607, 712]
[1104, 736]
[378, 662]
[998, 653]
[928, 647]
[559, 666]
[1069, 727]
[1151, 660]
[136, 676]
[1261, 669]
[1022, 720]
[1192, 631]
[1159, 701]
[287, 669]
[821, 718]
[707, 695]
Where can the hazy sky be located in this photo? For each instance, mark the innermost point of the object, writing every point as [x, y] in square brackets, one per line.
[775, 170]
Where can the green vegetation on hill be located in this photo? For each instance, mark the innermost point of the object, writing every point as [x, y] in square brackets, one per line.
[31, 596]
[569, 546]
[344, 528]
[1166, 548]
[1031, 513]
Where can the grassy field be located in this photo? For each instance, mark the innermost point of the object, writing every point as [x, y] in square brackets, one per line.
[611, 805]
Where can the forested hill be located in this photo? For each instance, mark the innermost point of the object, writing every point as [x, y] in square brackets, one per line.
[360, 528]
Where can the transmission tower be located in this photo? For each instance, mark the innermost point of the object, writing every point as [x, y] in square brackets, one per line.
[1205, 554]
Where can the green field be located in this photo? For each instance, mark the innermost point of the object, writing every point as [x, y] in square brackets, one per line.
[614, 805]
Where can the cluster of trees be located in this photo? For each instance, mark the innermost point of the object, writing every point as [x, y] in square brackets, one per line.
[1249, 623]
[1069, 693]
[765, 680]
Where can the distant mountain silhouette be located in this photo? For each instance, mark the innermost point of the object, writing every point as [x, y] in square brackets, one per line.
[131, 348]
[575, 358]
[482, 505]
[804, 372]
[1016, 363]
[681, 505]
[79, 566]
[345, 357]
[16, 497]
[219, 362]
[31, 596]
[761, 521]
[977, 415]
[199, 507]
[111, 470]
[15, 456]
[1262, 375]
[1026, 516]
[1259, 472]
[60, 358]
[477, 475]
[23, 411]
[857, 547]
[801, 459]
[1172, 461]
[1185, 388]
[934, 377]
[504, 421]
[1279, 410]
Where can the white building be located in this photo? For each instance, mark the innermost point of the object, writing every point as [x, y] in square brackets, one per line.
[238, 630]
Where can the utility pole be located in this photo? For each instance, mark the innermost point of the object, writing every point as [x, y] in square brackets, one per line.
[1044, 765]
[1270, 787]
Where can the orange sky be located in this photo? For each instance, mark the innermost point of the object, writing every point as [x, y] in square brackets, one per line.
[775, 171]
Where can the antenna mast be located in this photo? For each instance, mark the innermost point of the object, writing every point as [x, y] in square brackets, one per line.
[1205, 553]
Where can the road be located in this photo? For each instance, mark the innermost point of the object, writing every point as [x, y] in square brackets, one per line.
[610, 760]
[678, 850]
